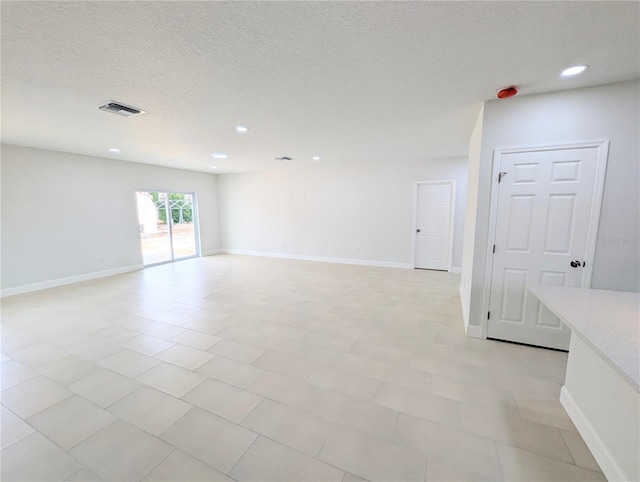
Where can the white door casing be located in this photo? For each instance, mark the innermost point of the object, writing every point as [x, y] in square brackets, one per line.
[545, 216]
[433, 224]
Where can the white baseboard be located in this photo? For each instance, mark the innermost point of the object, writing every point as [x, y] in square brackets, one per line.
[211, 252]
[610, 467]
[323, 259]
[473, 331]
[456, 269]
[43, 285]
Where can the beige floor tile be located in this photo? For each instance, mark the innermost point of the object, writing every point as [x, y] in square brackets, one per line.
[148, 345]
[222, 399]
[159, 329]
[515, 431]
[352, 478]
[547, 412]
[285, 346]
[284, 331]
[128, 363]
[184, 356]
[473, 393]
[171, 379]
[12, 428]
[193, 434]
[521, 465]
[378, 370]
[269, 460]
[452, 445]
[370, 457]
[134, 452]
[289, 366]
[93, 349]
[318, 338]
[15, 341]
[347, 383]
[38, 459]
[204, 326]
[36, 355]
[71, 421]
[287, 425]
[242, 335]
[149, 409]
[68, 370]
[33, 396]
[114, 334]
[236, 351]
[230, 371]
[421, 404]
[383, 353]
[547, 371]
[284, 390]
[522, 386]
[195, 339]
[83, 475]
[440, 471]
[579, 451]
[14, 373]
[355, 413]
[210, 315]
[181, 467]
[448, 366]
[104, 387]
[279, 317]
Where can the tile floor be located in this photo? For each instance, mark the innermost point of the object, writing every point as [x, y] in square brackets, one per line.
[244, 368]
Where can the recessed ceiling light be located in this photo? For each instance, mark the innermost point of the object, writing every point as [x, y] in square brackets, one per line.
[114, 149]
[214, 167]
[220, 155]
[242, 129]
[575, 70]
[316, 158]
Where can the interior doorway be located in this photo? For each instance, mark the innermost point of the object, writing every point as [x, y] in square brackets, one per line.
[434, 207]
[168, 224]
[544, 221]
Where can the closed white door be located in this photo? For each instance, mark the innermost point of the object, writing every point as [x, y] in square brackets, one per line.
[433, 223]
[543, 217]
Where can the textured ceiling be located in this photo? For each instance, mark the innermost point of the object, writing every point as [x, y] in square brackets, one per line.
[352, 82]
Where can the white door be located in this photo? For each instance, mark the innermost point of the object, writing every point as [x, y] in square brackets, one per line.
[542, 228]
[433, 225]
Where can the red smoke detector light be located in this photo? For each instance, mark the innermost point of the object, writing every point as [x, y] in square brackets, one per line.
[508, 92]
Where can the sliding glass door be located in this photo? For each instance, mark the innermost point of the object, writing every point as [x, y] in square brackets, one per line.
[168, 226]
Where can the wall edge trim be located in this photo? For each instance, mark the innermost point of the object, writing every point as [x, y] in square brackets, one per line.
[323, 259]
[43, 285]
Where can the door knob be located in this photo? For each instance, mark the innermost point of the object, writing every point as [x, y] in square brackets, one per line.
[417, 230]
[575, 263]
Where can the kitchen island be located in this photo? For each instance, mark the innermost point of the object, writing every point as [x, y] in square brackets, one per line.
[601, 392]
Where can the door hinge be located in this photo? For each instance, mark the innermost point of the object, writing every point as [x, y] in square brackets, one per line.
[488, 315]
[501, 175]
[494, 248]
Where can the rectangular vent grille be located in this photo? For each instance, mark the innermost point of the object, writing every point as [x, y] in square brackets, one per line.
[120, 109]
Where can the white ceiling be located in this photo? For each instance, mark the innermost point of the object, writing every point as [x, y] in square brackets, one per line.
[352, 82]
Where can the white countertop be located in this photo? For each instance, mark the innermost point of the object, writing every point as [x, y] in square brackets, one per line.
[608, 321]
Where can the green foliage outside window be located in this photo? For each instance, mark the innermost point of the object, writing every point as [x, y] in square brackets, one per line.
[178, 203]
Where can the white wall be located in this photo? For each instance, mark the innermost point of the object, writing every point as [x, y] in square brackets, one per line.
[475, 147]
[606, 112]
[65, 215]
[352, 212]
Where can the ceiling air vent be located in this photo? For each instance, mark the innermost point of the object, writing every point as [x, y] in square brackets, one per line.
[120, 109]
[284, 158]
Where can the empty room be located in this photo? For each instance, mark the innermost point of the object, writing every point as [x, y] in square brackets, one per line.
[320, 241]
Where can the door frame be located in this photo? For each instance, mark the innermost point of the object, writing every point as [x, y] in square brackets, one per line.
[594, 217]
[452, 217]
[196, 226]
